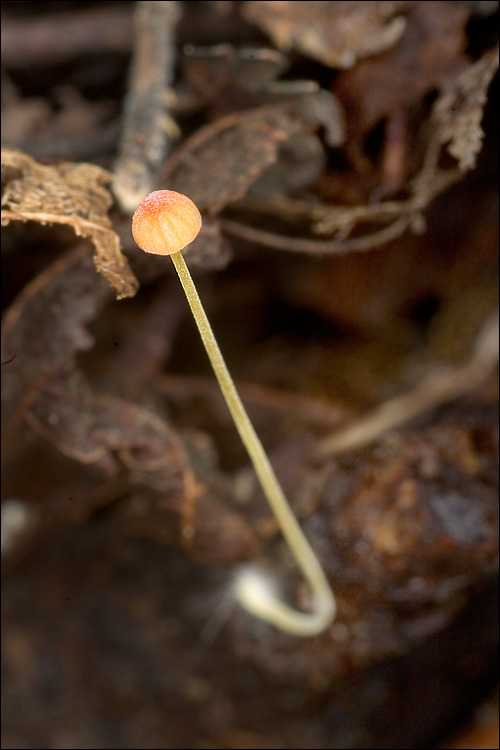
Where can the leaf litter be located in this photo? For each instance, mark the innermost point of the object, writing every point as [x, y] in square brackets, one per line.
[71, 194]
[351, 161]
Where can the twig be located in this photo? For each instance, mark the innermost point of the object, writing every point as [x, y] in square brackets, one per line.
[144, 140]
[436, 390]
[313, 247]
[49, 39]
[73, 148]
[308, 408]
[405, 214]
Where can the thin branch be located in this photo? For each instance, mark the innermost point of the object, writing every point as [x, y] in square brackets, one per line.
[436, 390]
[144, 140]
[314, 247]
[307, 408]
[54, 38]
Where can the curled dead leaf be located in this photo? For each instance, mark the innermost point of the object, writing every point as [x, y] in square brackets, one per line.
[71, 194]
[336, 34]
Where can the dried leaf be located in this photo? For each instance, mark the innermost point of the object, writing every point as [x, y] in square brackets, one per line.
[71, 194]
[94, 427]
[240, 78]
[219, 162]
[218, 534]
[300, 163]
[456, 118]
[213, 71]
[45, 326]
[210, 250]
[430, 53]
[106, 431]
[336, 34]
[112, 434]
[319, 107]
[459, 110]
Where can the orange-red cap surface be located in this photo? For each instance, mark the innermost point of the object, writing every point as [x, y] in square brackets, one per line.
[165, 222]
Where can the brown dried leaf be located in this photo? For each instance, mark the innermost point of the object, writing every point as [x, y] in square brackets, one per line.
[240, 78]
[210, 250]
[113, 434]
[456, 118]
[94, 427]
[220, 534]
[219, 162]
[378, 88]
[459, 110]
[300, 164]
[45, 326]
[336, 34]
[43, 329]
[428, 55]
[71, 194]
[244, 71]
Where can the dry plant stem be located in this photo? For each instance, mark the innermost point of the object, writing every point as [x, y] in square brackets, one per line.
[264, 605]
[434, 391]
[313, 247]
[144, 141]
[308, 408]
[54, 38]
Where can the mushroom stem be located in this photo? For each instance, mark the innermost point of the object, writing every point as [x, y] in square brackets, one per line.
[253, 597]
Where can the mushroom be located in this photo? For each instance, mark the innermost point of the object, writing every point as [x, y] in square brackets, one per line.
[164, 224]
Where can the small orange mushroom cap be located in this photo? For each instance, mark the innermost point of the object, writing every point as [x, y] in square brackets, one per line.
[165, 222]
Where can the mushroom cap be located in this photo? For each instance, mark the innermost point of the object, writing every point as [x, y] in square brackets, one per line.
[165, 222]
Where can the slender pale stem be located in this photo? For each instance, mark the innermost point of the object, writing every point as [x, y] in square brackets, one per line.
[256, 599]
